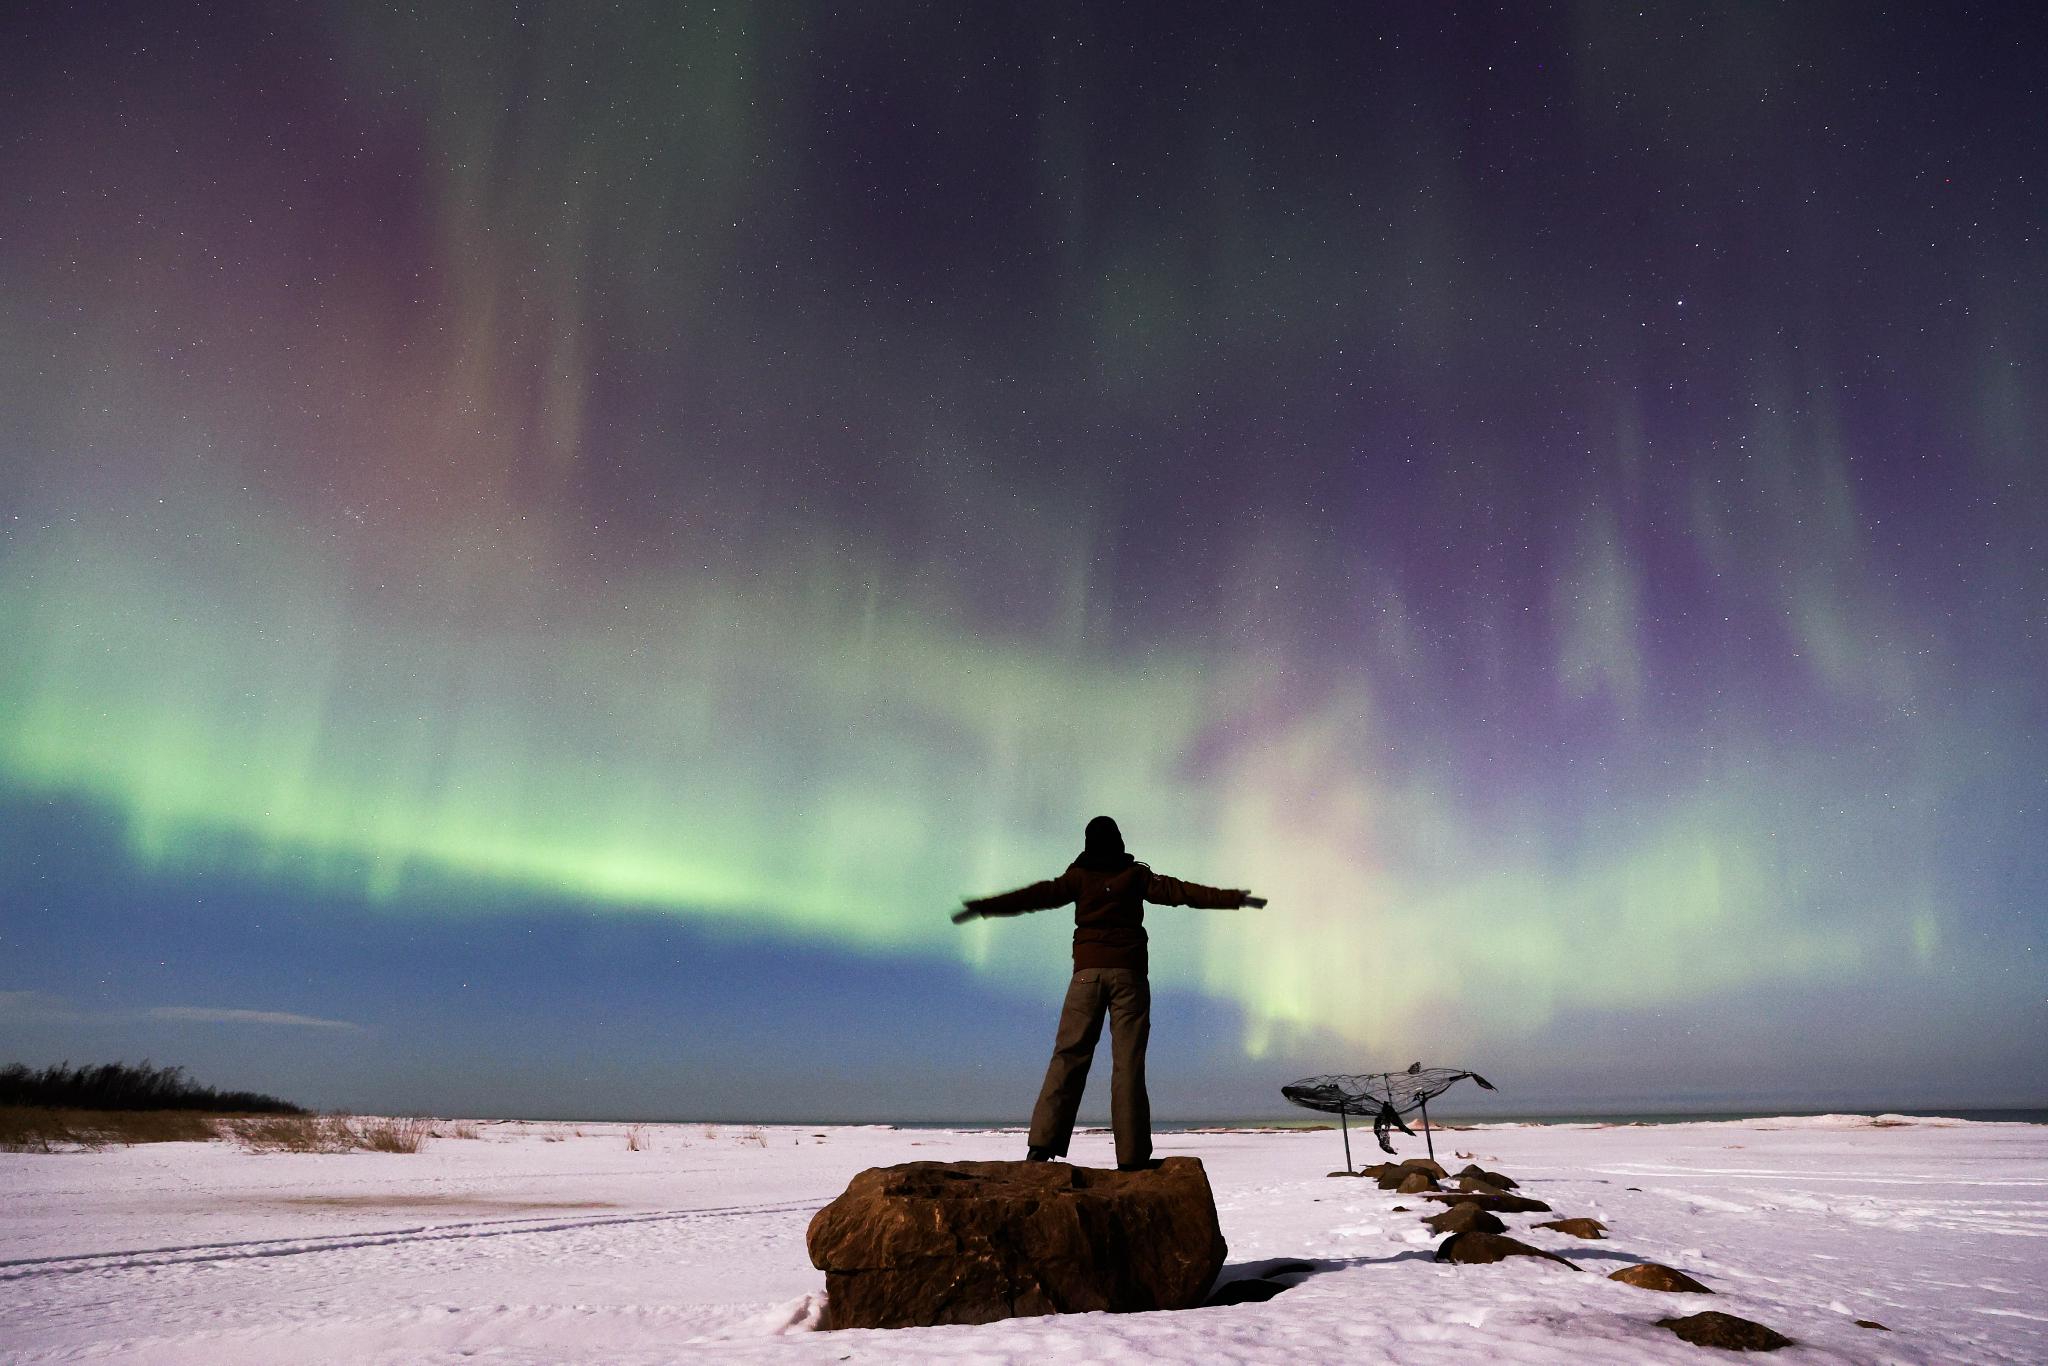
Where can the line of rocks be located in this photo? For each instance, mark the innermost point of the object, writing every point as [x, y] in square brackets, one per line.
[1476, 1236]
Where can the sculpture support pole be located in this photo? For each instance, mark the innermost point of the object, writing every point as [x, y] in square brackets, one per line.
[1425, 1131]
[1346, 1126]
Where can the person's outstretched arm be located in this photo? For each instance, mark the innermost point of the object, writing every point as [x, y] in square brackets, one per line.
[1039, 896]
[1171, 891]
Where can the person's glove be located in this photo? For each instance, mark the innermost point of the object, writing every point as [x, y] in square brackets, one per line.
[1257, 903]
[965, 914]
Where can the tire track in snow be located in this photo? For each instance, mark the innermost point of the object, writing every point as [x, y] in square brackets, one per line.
[145, 1258]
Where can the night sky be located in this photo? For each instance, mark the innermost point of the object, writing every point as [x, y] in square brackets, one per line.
[544, 547]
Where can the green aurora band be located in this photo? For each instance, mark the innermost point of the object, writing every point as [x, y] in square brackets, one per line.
[818, 762]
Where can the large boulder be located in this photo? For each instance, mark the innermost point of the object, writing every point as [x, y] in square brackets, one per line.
[972, 1242]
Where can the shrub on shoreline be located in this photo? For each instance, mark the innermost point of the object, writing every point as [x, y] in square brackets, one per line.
[127, 1086]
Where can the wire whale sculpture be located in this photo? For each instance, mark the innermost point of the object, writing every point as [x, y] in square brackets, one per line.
[1386, 1096]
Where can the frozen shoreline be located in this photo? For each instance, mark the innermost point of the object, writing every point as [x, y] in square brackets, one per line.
[558, 1241]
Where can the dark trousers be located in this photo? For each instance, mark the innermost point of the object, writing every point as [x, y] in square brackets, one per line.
[1125, 996]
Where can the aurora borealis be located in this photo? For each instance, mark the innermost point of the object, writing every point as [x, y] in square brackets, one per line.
[567, 537]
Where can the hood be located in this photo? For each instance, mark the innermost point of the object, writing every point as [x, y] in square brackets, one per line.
[1103, 849]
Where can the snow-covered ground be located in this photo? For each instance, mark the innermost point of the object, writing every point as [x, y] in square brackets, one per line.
[559, 1242]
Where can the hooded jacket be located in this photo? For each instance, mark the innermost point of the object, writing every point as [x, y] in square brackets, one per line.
[1109, 906]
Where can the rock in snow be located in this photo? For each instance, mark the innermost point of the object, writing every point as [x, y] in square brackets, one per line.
[1494, 1179]
[1499, 1204]
[973, 1242]
[1392, 1174]
[1578, 1228]
[1476, 1249]
[1657, 1276]
[1715, 1329]
[1465, 1217]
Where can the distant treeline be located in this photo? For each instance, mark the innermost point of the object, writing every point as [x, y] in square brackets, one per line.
[128, 1086]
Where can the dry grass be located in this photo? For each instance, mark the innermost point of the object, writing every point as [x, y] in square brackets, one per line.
[330, 1134]
[755, 1137]
[39, 1129]
[637, 1139]
[461, 1128]
[393, 1135]
[292, 1134]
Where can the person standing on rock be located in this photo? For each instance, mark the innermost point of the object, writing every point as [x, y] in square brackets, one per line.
[1108, 889]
